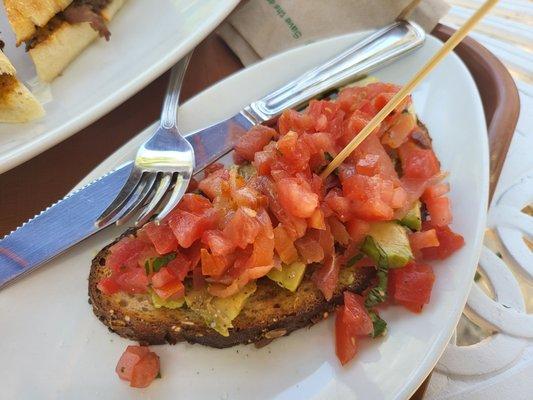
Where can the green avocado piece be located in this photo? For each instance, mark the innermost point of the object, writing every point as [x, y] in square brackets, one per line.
[388, 240]
[413, 218]
[158, 302]
[217, 312]
[290, 276]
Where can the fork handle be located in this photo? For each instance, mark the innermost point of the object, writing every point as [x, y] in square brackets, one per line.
[379, 49]
[169, 114]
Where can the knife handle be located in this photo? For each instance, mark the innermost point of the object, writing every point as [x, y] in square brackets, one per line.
[377, 50]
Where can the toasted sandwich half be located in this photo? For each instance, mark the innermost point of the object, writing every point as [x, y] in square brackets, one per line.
[17, 103]
[55, 32]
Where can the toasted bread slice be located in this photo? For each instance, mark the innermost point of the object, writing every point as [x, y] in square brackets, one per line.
[269, 313]
[17, 103]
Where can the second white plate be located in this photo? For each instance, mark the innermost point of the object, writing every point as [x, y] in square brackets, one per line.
[146, 39]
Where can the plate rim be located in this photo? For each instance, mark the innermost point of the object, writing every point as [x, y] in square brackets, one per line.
[18, 155]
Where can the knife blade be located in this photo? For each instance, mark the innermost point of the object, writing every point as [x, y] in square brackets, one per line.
[71, 219]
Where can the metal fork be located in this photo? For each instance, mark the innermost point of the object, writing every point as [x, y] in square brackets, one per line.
[164, 161]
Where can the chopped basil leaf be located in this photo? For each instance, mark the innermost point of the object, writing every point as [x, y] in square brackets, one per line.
[162, 261]
[148, 267]
[378, 294]
[328, 157]
[154, 264]
[354, 259]
[380, 326]
[158, 376]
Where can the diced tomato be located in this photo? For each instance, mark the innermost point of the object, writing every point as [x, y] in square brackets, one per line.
[213, 184]
[294, 226]
[188, 227]
[253, 141]
[213, 167]
[108, 286]
[193, 185]
[317, 220]
[291, 120]
[173, 289]
[439, 210]
[422, 240]
[161, 237]
[411, 285]
[284, 245]
[263, 160]
[449, 243]
[325, 239]
[263, 251]
[338, 230]
[327, 276]
[357, 316]
[145, 371]
[309, 249]
[179, 266]
[399, 198]
[162, 277]
[243, 228]
[319, 142]
[192, 254]
[418, 163]
[400, 130]
[385, 167]
[133, 280]
[194, 203]
[296, 199]
[353, 125]
[125, 253]
[437, 190]
[345, 339]
[213, 265]
[131, 356]
[339, 204]
[373, 210]
[358, 229]
[295, 152]
[368, 165]
[249, 274]
[248, 197]
[217, 242]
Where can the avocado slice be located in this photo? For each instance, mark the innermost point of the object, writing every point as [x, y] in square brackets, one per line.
[158, 302]
[388, 242]
[290, 276]
[217, 312]
[413, 218]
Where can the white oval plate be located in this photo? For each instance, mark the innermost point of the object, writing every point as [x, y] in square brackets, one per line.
[54, 347]
[146, 39]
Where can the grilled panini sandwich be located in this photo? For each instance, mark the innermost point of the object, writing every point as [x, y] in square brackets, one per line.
[56, 31]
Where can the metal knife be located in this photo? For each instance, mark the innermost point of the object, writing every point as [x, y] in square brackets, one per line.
[71, 219]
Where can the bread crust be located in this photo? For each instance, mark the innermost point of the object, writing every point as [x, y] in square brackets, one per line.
[17, 103]
[269, 313]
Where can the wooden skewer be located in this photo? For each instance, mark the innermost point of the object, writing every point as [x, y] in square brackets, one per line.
[406, 90]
